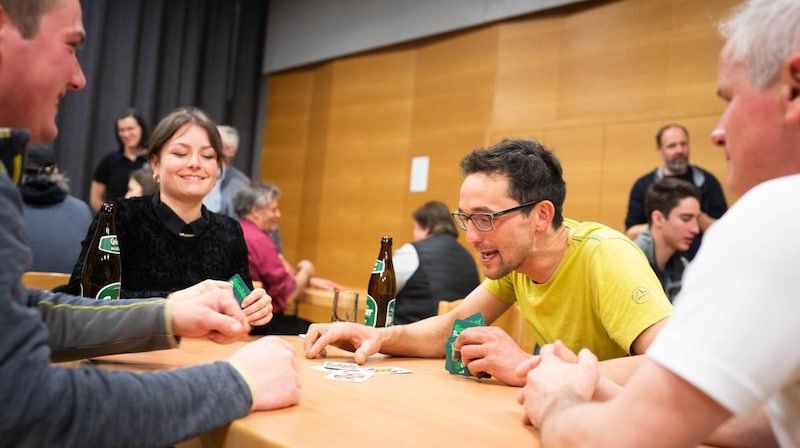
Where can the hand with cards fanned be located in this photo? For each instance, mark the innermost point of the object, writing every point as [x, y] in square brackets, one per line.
[452, 361]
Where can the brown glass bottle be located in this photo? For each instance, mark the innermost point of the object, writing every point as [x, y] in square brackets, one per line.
[102, 267]
[379, 311]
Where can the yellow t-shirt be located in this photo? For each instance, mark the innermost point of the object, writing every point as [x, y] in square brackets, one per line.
[601, 297]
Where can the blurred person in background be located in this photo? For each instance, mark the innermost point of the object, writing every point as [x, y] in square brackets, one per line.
[110, 178]
[54, 220]
[142, 183]
[257, 207]
[434, 267]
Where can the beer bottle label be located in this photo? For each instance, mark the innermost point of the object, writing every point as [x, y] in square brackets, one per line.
[109, 292]
[390, 313]
[379, 267]
[371, 311]
[109, 244]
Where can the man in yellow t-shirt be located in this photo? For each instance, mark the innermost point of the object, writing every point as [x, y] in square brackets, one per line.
[587, 302]
[583, 283]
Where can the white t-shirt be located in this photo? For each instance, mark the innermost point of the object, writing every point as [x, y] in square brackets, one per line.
[735, 330]
[406, 262]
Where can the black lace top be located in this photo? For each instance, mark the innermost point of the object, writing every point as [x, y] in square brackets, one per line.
[157, 260]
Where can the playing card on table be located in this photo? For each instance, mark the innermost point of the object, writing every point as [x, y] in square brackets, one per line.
[452, 360]
[334, 365]
[353, 376]
[384, 370]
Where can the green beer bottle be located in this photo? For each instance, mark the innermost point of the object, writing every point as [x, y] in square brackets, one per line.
[381, 291]
[101, 274]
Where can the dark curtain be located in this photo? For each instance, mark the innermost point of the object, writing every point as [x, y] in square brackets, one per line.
[157, 55]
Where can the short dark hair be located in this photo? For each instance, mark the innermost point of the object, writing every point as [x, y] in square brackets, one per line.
[534, 172]
[435, 216]
[26, 14]
[665, 194]
[663, 129]
[177, 119]
[137, 115]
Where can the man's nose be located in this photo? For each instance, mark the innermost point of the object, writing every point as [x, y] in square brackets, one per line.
[718, 137]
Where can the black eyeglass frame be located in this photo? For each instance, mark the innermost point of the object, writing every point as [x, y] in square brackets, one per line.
[462, 218]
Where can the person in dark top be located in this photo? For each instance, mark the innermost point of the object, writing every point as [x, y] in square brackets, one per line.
[434, 267]
[110, 178]
[54, 219]
[169, 241]
[673, 209]
[672, 141]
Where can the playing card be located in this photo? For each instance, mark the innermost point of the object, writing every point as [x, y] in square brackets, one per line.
[353, 376]
[452, 360]
[333, 365]
[240, 289]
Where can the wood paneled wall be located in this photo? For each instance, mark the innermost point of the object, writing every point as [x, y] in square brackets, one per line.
[592, 81]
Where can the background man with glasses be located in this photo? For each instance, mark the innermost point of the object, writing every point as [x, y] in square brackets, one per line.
[583, 283]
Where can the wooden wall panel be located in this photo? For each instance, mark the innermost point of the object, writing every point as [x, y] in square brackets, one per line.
[580, 151]
[286, 136]
[594, 81]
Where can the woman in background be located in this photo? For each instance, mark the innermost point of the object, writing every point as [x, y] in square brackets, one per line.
[434, 267]
[170, 241]
[110, 178]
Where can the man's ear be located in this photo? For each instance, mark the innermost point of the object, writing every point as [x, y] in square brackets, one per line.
[545, 211]
[791, 90]
[656, 218]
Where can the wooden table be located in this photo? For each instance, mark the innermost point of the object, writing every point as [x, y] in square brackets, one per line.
[429, 407]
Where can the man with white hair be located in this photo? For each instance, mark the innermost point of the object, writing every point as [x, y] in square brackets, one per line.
[729, 349]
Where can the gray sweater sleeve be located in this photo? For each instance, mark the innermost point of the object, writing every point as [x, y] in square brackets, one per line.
[119, 326]
[47, 405]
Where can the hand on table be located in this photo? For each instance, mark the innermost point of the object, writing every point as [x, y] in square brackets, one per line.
[268, 365]
[490, 350]
[208, 310]
[258, 307]
[363, 340]
[554, 377]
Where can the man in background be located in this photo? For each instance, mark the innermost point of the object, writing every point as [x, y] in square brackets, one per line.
[673, 208]
[672, 142]
[49, 405]
[257, 207]
[729, 350]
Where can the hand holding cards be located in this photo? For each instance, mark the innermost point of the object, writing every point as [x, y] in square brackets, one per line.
[452, 360]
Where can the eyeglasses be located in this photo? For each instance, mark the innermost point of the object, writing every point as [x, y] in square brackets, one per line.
[484, 222]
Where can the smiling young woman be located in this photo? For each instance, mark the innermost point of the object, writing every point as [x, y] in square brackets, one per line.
[169, 240]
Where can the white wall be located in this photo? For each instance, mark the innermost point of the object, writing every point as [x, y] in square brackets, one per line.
[301, 32]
